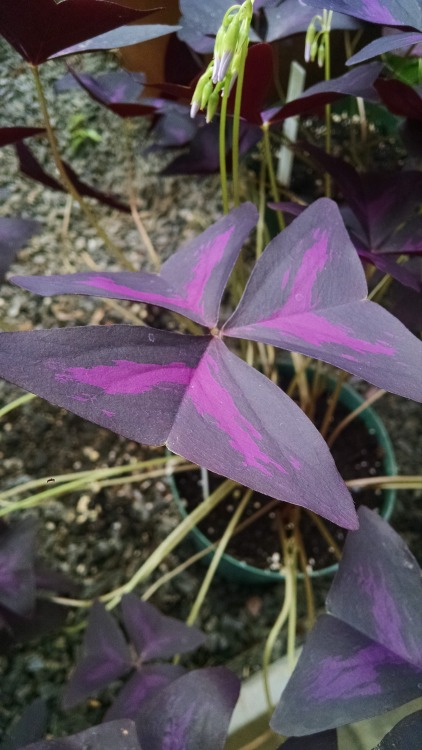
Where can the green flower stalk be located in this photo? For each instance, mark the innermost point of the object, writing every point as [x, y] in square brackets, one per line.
[227, 61]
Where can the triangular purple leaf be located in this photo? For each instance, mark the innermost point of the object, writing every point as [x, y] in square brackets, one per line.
[191, 281]
[386, 12]
[189, 392]
[388, 43]
[252, 432]
[406, 735]
[119, 90]
[194, 711]
[39, 29]
[154, 635]
[365, 656]
[31, 168]
[116, 735]
[142, 686]
[17, 578]
[307, 293]
[121, 37]
[14, 135]
[105, 657]
[378, 589]
[357, 82]
[14, 233]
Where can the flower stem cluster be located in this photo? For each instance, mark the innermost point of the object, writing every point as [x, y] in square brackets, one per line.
[316, 37]
[223, 69]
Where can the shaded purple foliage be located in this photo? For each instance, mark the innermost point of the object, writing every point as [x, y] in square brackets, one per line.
[116, 735]
[106, 655]
[119, 90]
[31, 168]
[194, 711]
[14, 234]
[400, 98]
[22, 577]
[381, 213]
[358, 82]
[364, 657]
[39, 30]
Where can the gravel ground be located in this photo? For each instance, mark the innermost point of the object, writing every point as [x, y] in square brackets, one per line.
[100, 537]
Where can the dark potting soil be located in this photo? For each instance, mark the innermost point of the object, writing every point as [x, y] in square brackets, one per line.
[356, 453]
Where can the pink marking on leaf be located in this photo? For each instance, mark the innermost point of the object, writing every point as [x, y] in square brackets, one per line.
[209, 257]
[349, 676]
[314, 260]
[317, 330]
[124, 376]
[211, 399]
[108, 285]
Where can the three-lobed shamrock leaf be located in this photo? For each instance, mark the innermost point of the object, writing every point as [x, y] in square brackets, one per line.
[38, 30]
[106, 655]
[307, 293]
[363, 657]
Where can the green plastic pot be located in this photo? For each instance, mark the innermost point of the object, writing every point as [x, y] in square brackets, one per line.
[237, 571]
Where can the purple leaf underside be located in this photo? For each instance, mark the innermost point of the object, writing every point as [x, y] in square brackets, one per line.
[191, 281]
[38, 30]
[31, 727]
[116, 735]
[120, 91]
[307, 293]
[154, 635]
[365, 656]
[31, 168]
[400, 98]
[189, 392]
[194, 711]
[357, 82]
[386, 12]
[121, 37]
[105, 657]
[141, 687]
[388, 43]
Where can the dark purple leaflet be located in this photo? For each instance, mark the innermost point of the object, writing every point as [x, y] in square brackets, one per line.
[312, 299]
[17, 576]
[365, 656]
[14, 233]
[15, 134]
[404, 40]
[387, 12]
[115, 735]
[39, 30]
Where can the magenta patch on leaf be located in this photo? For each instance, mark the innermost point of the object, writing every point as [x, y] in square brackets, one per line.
[314, 261]
[212, 400]
[317, 330]
[208, 258]
[346, 677]
[128, 377]
[108, 285]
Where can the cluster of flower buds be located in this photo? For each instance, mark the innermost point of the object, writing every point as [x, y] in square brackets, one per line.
[315, 42]
[223, 69]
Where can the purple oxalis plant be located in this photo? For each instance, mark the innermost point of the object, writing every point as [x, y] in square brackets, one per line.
[363, 657]
[106, 656]
[196, 396]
